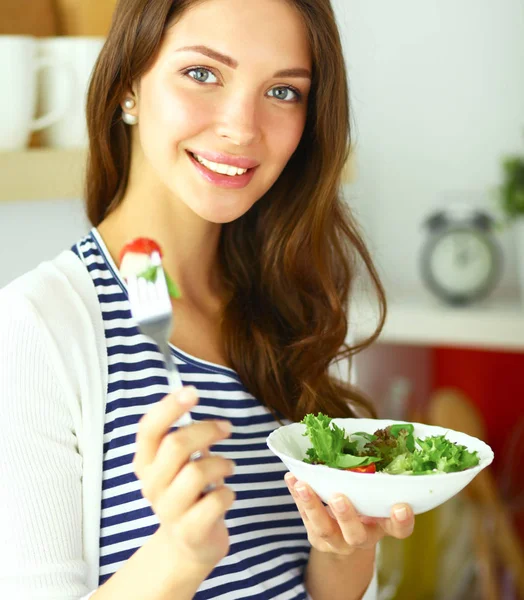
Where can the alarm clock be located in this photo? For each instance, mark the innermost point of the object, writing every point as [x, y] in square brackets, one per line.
[461, 259]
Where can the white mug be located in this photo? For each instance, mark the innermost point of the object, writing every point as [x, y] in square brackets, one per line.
[80, 54]
[19, 66]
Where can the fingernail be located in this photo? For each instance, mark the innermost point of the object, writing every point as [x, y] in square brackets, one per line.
[225, 426]
[302, 491]
[339, 504]
[188, 395]
[401, 514]
[290, 479]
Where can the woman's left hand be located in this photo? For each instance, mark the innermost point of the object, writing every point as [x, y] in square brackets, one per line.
[345, 531]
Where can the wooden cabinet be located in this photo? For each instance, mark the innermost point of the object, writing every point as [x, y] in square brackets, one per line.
[84, 17]
[28, 17]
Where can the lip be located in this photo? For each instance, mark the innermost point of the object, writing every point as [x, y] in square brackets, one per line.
[240, 162]
[224, 181]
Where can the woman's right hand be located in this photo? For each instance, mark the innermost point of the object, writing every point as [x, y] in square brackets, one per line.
[191, 521]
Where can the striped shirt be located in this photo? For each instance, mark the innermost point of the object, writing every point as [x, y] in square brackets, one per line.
[268, 542]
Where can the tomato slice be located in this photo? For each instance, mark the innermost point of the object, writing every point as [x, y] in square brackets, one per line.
[141, 246]
[367, 469]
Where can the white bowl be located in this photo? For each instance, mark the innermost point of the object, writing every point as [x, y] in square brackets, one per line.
[373, 494]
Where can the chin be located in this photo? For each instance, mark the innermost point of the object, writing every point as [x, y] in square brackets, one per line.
[220, 217]
[218, 212]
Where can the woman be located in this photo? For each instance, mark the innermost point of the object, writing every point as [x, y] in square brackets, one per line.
[98, 494]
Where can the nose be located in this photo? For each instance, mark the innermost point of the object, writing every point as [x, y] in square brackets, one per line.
[239, 120]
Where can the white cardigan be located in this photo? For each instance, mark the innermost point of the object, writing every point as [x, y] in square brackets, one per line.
[53, 382]
[52, 399]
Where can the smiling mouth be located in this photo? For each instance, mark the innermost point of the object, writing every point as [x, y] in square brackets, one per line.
[220, 169]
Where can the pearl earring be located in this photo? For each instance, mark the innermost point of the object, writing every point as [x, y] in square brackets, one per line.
[129, 118]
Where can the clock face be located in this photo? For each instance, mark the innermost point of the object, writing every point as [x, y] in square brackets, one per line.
[461, 264]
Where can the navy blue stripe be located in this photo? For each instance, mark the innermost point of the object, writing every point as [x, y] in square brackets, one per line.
[126, 537]
[117, 557]
[103, 282]
[261, 540]
[118, 461]
[253, 561]
[122, 422]
[112, 482]
[134, 349]
[141, 365]
[122, 499]
[126, 517]
[112, 332]
[118, 442]
[138, 384]
[233, 586]
[261, 460]
[285, 587]
[244, 435]
[257, 494]
[89, 252]
[261, 526]
[225, 447]
[253, 511]
[115, 297]
[111, 315]
[260, 477]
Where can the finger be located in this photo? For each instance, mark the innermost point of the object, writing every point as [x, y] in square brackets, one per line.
[291, 481]
[153, 426]
[189, 485]
[197, 524]
[175, 451]
[355, 533]
[401, 523]
[319, 522]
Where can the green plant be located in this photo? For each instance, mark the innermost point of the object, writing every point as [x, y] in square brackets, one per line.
[511, 192]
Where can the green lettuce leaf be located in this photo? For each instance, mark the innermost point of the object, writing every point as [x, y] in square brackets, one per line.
[331, 445]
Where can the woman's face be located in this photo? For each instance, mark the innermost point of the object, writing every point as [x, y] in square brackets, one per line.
[228, 91]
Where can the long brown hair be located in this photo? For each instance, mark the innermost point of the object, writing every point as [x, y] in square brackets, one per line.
[288, 264]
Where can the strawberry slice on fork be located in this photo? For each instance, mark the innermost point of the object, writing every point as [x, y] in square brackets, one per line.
[135, 260]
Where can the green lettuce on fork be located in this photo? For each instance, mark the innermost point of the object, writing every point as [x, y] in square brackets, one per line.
[392, 450]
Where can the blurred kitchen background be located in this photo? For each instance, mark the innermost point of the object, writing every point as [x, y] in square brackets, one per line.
[437, 91]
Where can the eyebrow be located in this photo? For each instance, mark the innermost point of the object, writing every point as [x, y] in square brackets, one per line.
[231, 62]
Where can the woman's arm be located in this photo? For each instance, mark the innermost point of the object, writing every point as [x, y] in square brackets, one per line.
[343, 542]
[40, 468]
[151, 573]
[333, 577]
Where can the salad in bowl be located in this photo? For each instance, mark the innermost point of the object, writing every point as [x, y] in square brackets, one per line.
[377, 463]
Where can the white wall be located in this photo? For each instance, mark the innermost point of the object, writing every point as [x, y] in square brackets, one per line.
[31, 232]
[437, 90]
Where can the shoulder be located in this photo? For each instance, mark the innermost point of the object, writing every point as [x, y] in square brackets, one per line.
[55, 303]
[59, 288]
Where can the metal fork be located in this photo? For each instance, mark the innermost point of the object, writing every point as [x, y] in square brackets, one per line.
[152, 310]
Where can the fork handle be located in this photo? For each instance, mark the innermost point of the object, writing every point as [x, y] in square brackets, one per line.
[175, 383]
[173, 376]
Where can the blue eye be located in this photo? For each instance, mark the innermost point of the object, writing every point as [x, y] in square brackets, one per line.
[201, 75]
[286, 94]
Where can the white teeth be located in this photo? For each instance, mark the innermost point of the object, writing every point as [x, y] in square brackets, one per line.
[220, 168]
